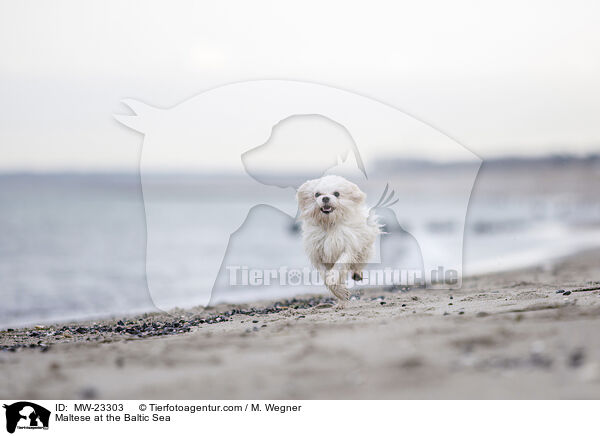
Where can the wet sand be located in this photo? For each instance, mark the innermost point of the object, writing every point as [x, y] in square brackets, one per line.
[532, 333]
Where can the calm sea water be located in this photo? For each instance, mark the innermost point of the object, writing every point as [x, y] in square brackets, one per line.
[74, 246]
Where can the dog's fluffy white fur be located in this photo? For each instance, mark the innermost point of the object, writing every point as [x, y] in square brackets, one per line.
[337, 229]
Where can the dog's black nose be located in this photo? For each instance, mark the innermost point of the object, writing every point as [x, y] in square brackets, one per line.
[325, 199]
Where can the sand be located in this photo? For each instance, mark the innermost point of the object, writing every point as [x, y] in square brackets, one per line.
[505, 335]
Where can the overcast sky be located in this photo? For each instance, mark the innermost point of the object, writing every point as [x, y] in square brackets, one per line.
[506, 77]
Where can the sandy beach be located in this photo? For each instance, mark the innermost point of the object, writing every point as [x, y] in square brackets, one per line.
[531, 333]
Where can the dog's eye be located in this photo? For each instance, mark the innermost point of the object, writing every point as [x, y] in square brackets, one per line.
[337, 194]
[317, 194]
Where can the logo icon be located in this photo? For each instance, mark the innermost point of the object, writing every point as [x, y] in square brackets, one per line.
[26, 415]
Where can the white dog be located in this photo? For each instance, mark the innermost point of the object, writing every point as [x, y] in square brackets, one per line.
[338, 230]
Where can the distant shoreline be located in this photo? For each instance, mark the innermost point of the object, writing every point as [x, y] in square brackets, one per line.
[390, 163]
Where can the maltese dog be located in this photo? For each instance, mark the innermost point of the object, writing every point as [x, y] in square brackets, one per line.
[337, 230]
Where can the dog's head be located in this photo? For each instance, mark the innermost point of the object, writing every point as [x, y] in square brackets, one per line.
[329, 199]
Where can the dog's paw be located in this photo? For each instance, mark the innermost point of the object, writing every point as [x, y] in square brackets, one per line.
[340, 291]
[357, 276]
[341, 305]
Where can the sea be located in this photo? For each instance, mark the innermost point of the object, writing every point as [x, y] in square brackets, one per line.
[76, 246]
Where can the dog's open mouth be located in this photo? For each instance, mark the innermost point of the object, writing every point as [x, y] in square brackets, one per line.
[327, 209]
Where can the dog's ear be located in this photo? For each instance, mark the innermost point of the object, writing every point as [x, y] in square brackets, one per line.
[357, 195]
[305, 195]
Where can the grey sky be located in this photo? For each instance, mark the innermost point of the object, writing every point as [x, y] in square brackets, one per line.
[501, 77]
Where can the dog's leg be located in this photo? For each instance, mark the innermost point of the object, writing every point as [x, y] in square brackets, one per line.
[336, 278]
[331, 279]
[335, 282]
